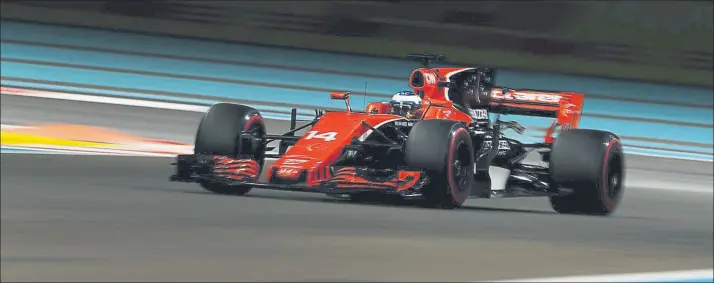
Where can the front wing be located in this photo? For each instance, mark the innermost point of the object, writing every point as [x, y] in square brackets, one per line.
[197, 168]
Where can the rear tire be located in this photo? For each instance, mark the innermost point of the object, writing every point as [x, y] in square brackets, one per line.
[592, 164]
[444, 150]
[219, 134]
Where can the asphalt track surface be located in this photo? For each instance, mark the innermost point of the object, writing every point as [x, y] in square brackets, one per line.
[87, 218]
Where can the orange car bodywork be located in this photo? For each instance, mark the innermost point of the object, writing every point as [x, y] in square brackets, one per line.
[565, 107]
[322, 145]
[312, 155]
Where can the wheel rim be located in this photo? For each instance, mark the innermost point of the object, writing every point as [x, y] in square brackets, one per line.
[255, 131]
[460, 167]
[614, 179]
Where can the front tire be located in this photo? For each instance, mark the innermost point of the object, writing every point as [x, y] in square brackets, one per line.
[219, 133]
[444, 150]
[592, 164]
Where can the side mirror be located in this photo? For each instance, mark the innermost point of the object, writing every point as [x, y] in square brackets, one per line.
[342, 95]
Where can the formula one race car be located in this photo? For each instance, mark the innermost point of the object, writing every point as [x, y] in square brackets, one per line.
[436, 144]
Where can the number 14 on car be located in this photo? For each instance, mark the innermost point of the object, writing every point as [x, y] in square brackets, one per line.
[326, 136]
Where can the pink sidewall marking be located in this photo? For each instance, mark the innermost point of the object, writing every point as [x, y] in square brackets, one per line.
[604, 189]
[449, 169]
[251, 121]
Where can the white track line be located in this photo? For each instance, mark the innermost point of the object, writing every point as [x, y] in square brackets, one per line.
[670, 189]
[23, 150]
[663, 156]
[102, 99]
[85, 150]
[672, 276]
[7, 127]
[86, 154]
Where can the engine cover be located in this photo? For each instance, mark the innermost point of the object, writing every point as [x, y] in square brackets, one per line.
[473, 89]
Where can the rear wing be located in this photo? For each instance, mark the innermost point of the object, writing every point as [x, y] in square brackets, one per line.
[565, 107]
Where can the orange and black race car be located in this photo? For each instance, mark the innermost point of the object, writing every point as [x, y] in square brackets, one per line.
[436, 144]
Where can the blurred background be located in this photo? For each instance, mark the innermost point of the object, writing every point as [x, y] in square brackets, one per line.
[645, 66]
[659, 41]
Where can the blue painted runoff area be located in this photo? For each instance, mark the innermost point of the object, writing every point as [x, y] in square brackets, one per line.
[326, 61]
[293, 78]
[219, 70]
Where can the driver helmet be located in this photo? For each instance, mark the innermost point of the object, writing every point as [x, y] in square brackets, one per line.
[405, 103]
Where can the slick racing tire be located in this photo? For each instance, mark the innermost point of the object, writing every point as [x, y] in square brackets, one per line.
[219, 134]
[444, 150]
[591, 163]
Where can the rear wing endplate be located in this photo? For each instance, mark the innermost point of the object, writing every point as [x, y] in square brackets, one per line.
[565, 107]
